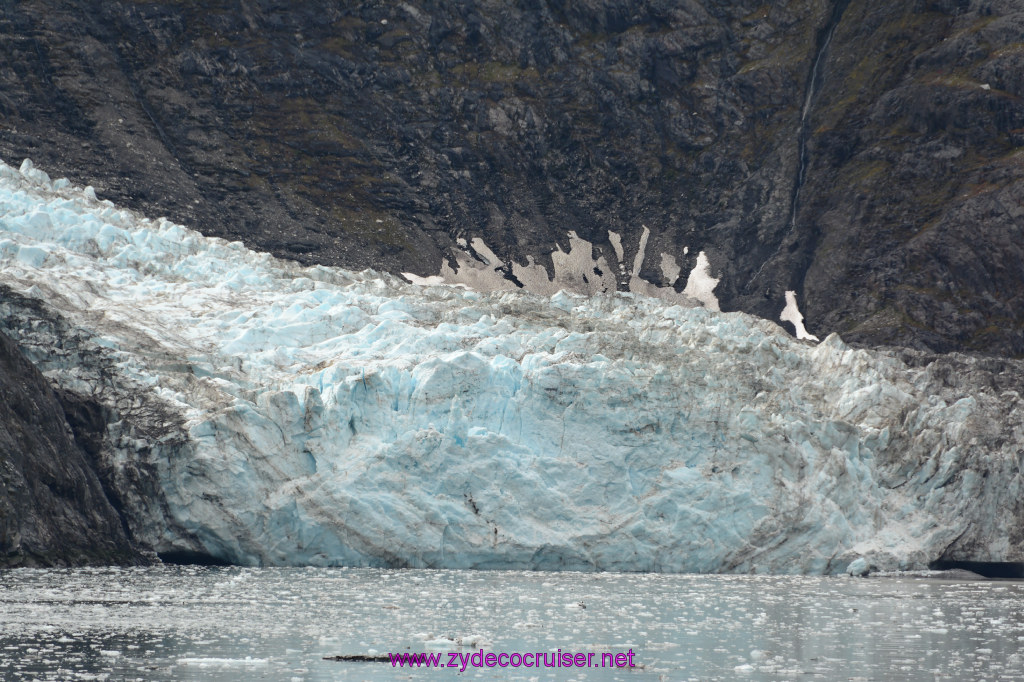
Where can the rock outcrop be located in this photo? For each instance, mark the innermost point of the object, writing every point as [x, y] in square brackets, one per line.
[53, 510]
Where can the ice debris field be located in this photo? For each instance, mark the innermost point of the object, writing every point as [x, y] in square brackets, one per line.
[264, 413]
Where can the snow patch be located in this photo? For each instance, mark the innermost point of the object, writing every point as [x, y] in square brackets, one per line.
[701, 285]
[669, 268]
[641, 249]
[616, 242]
[477, 267]
[791, 313]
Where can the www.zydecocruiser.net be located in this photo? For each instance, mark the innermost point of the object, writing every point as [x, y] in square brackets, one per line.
[515, 659]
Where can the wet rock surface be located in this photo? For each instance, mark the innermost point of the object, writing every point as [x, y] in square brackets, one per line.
[866, 156]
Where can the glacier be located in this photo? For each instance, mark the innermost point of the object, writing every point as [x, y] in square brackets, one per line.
[260, 412]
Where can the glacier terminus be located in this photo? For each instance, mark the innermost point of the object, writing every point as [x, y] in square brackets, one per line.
[259, 412]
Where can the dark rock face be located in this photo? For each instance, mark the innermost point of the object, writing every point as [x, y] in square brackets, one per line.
[915, 191]
[53, 511]
[867, 155]
[122, 433]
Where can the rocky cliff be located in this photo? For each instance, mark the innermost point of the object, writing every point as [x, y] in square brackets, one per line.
[865, 155]
[53, 510]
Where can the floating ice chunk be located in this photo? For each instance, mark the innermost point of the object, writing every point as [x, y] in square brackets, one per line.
[440, 643]
[467, 641]
[212, 662]
[473, 641]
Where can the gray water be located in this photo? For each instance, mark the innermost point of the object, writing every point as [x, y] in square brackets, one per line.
[239, 624]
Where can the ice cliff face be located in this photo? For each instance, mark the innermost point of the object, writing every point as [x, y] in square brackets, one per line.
[265, 413]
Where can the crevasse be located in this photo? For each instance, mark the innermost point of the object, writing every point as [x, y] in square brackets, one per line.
[270, 414]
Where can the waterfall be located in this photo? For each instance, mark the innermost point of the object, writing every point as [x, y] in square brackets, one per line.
[814, 79]
[813, 86]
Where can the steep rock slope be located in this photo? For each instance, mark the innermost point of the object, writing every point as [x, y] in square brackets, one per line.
[864, 155]
[915, 189]
[260, 412]
[53, 511]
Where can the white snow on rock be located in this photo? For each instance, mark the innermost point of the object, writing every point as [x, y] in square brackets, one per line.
[791, 313]
[575, 271]
[271, 414]
[701, 285]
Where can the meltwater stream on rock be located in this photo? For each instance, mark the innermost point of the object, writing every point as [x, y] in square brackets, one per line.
[243, 623]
